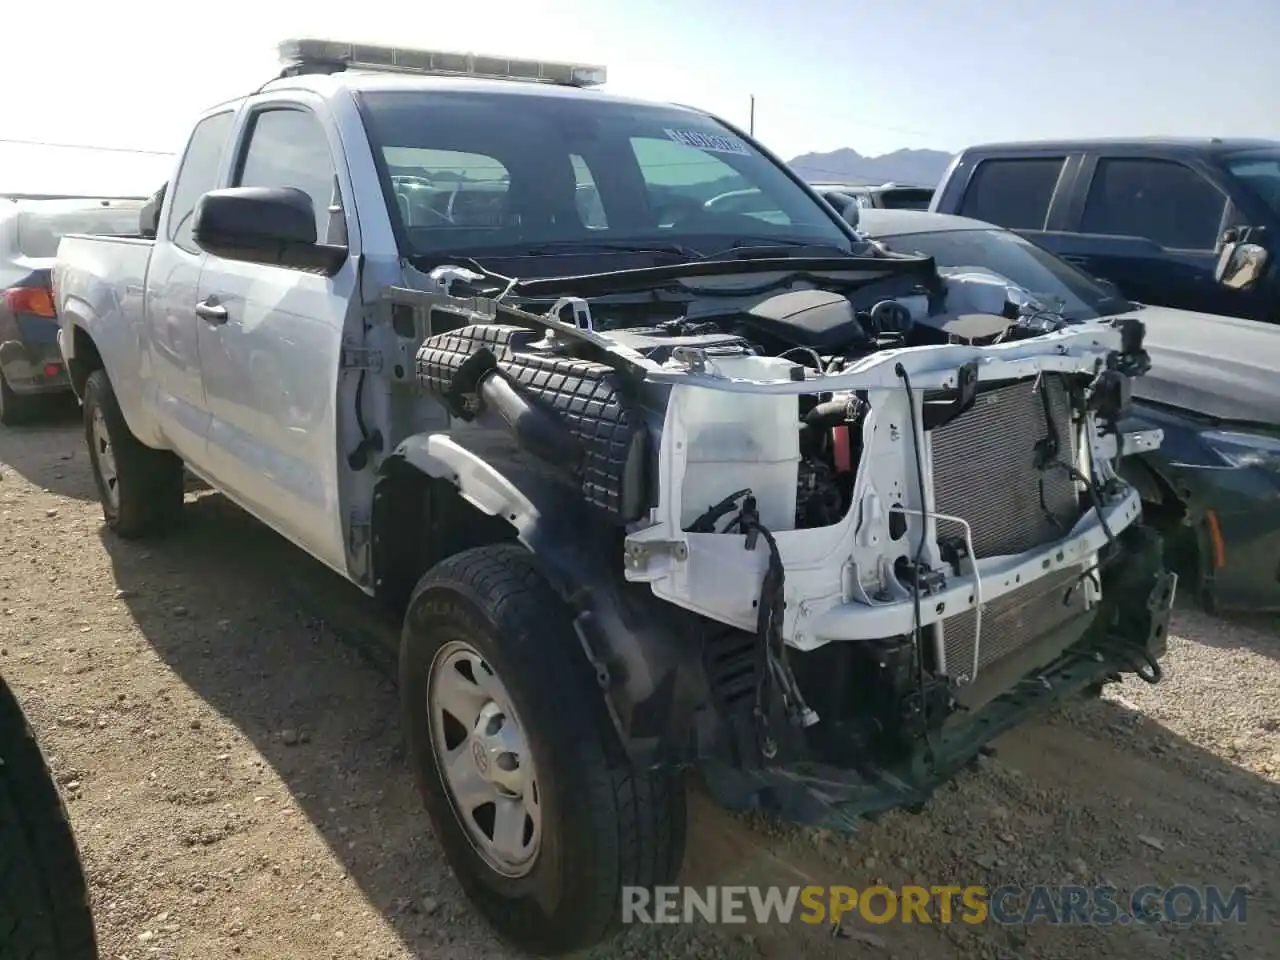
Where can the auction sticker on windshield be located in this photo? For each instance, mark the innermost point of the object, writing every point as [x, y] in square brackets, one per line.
[710, 142]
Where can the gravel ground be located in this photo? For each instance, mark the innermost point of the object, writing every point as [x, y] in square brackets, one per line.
[220, 712]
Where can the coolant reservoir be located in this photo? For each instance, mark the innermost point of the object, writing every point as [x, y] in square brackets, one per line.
[741, 440]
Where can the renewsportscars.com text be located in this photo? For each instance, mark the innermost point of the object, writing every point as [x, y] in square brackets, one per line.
[944, 904]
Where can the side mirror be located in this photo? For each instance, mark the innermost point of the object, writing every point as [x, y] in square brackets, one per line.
[275, 226]
[1240, 264]
[846, 206]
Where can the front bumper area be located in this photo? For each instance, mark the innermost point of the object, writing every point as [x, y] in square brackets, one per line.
[1127, 634]
[1249, 578]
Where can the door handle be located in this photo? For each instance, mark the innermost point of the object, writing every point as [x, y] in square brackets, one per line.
[211, 311]
[1077, 260]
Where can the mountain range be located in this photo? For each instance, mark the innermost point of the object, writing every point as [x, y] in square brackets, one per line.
[846, 165]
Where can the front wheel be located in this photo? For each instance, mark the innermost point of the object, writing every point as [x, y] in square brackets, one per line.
[539, 813]
[44, 901]
[141, 489]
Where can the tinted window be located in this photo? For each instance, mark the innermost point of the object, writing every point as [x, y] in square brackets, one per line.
[1013, 193]
[197, 176]
[38, 233]
[1260, 172]
[568, 169]
[1163, 201]
[904, 199]
[288, 148]
[1057, 284]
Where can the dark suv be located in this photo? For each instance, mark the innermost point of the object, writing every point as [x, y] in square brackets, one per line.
[1187, 223]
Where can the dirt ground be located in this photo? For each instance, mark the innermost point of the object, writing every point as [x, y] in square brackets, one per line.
[221, 714]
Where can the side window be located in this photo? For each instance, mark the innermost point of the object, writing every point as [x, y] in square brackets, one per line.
[288, 148]
[197, 176]
[1163, 201]
[682, 179]
[1014, 194]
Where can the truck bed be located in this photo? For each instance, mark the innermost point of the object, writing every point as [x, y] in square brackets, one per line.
[99, 284]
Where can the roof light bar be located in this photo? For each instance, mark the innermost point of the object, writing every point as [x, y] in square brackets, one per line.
[308, 55]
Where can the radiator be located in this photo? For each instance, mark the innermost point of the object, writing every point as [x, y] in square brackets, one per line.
[984, 470]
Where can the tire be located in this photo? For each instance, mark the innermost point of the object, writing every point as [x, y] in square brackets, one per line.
[15, 408]
[44, 900]
[141, 489]
[604, 824]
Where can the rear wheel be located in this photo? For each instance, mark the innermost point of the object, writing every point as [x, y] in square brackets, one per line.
[141, 489]
[44, 900]
[540, 815]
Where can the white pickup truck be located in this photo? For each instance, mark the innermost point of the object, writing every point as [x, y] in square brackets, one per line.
[658, 483]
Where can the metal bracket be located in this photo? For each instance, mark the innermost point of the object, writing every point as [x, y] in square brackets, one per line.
[360, 358]
[638, 553]
[693, 359]
[1140, 441]
[581, 312]
[446, 275]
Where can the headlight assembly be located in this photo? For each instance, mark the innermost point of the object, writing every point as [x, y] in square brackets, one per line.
[1244, 449]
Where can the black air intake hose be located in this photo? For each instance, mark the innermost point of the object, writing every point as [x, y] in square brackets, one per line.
[537, 430]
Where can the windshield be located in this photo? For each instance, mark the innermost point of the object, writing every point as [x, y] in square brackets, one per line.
[502, 174]
[1259, 170]
[38, 232]
[1058, 285]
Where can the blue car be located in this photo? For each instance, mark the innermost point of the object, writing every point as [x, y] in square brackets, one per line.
[30, 364]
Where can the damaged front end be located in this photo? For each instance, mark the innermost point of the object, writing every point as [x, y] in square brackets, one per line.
[827, 581]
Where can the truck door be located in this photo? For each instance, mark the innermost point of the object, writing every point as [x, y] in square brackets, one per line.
[172, 281]
[270, 345]
[1150, 225]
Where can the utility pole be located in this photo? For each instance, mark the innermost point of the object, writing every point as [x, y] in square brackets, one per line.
[751, 122]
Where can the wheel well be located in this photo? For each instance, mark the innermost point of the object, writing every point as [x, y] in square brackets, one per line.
[1164, 509]
[417, 521]
[85, 359]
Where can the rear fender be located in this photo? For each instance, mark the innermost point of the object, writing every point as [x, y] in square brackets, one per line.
[645, 653]
[87, 346]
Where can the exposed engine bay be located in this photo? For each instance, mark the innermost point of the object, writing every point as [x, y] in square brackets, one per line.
[825, 331]
[815, 330]
[887, 496]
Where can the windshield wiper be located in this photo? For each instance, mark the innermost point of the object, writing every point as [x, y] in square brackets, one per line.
[750, 250]
[592, 246]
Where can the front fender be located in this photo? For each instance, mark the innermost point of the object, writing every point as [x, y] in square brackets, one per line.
[646, 653]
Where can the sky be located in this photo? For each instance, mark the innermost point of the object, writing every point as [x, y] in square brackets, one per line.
[130, 75]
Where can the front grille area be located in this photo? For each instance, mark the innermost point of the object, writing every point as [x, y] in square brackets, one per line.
[984, 469]
[1011, 621]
